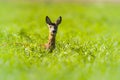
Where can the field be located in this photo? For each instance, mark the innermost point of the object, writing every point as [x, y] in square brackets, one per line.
[87, 42]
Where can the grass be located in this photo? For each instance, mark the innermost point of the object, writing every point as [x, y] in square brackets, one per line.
[87, 46]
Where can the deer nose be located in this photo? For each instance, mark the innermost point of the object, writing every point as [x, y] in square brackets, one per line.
[54, 31]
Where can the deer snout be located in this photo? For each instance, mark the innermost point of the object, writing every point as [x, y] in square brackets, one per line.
[54, 31]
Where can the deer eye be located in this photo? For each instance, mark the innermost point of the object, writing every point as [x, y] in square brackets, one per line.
[50, 26]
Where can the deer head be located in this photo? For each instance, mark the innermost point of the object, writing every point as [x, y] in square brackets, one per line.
[53, 26]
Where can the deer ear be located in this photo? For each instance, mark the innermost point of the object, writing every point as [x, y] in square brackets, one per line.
[59, 20]
[48, 21]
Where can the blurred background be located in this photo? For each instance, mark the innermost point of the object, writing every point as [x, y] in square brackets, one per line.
[83, 1]
[87, 42]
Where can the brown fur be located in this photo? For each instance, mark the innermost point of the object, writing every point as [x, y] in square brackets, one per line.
[51, 42]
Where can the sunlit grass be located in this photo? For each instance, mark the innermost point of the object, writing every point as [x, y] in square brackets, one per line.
[87, 46]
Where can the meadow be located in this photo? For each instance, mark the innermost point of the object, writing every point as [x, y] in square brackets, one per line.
[87, 42]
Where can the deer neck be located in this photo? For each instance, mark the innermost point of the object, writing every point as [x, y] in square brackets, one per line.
[51, 40]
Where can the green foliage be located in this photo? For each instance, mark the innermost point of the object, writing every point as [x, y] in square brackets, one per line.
[87, 46]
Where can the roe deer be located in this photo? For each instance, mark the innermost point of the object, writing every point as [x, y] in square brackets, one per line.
[50, 45]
